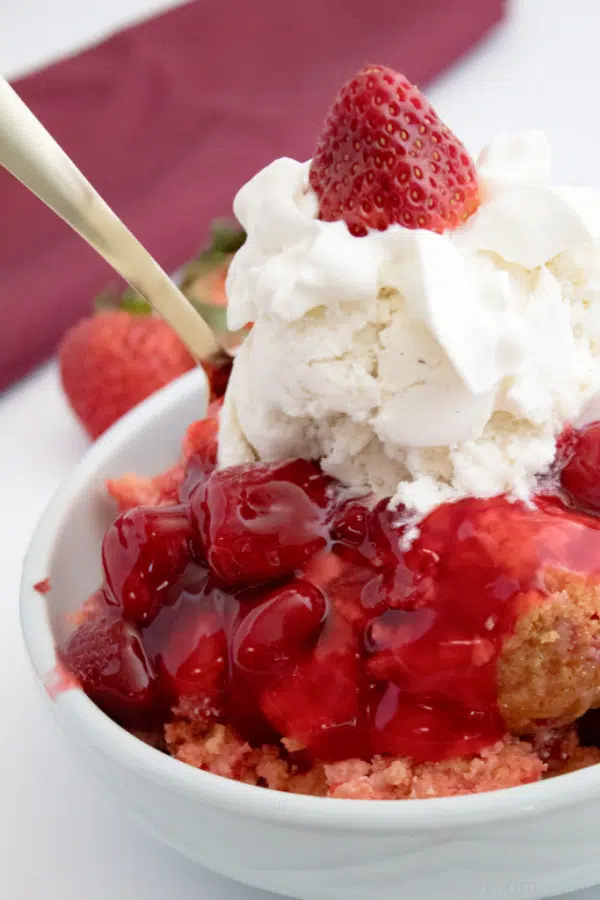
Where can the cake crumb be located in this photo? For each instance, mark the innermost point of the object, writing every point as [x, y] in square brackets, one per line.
[132, 490]
[507, 763]
[95, 605]
[220, 750]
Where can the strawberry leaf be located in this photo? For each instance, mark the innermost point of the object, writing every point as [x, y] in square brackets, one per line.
[134, 303]
[112, 299]
[226, 236]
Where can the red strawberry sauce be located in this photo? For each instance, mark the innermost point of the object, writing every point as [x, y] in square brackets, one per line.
[272, 604]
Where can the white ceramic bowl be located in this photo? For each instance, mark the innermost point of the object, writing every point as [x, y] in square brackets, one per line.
[533, 841]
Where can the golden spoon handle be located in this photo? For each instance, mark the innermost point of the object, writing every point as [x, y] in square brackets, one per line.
[33, 156]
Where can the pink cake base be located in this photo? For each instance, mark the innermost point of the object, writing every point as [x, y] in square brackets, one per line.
[508, 763]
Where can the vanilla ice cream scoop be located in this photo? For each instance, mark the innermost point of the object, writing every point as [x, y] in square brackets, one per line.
[413, 364]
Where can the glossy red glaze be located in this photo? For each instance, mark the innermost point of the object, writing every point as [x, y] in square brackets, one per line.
[308, 620]
[270, 633]
[143, 552]
[260, 522]
[107, 657]
[580, 475]
[187, 644]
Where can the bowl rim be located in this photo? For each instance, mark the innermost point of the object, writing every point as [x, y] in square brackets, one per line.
[81, 716]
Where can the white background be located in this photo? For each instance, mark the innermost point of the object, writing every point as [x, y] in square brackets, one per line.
[59, 838]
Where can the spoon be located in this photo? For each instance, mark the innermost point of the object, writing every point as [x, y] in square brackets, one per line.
[32, 155]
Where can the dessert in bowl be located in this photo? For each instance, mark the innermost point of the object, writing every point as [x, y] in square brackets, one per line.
[537, 839]
[373, 573]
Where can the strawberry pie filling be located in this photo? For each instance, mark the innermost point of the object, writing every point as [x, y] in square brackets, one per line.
[268, 601]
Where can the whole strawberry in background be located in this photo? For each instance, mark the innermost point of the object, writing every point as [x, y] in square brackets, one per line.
[385, 157]
[116, 358]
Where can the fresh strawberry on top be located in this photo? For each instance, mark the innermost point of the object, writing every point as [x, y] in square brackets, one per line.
[385, 157]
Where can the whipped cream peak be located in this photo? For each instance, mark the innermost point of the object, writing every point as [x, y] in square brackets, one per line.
[420, 365]
[514, 160]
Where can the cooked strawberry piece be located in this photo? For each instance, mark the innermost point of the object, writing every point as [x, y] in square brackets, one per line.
[445, 633]
[580, 476]
[260, 522]
[144, 551]
[429, 727]
[319, 705]
[200, 447]
[107, 656]
[384, 157]
[187, 644]
[368, 535]
[276, 631]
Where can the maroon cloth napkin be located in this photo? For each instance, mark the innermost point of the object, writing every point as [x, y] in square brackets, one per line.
[168, 119]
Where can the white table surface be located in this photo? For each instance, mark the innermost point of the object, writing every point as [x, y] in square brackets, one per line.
[60, 838]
